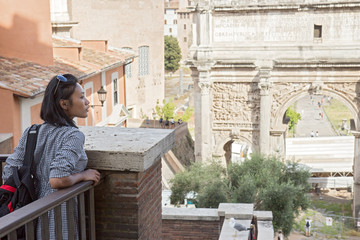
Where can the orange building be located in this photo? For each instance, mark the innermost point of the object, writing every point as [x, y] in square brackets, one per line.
[30, 57]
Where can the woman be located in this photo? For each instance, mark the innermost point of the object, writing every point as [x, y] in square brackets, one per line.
[59, 157]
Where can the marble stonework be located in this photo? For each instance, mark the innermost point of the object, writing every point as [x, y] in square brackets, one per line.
[251, 60]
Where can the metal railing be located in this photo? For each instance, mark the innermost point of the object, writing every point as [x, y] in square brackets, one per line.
[27, 215]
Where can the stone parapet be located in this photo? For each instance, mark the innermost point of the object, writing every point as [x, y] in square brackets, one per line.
[6, 143]
[128, 200]
[203, 214]
[126, 149]
[238, 211]
[190, 223]
[205, 223]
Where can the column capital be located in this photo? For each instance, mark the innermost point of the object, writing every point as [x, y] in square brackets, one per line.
[356, 134]
[264, 83]
[264, 86]
[277, 133]
[204, 87]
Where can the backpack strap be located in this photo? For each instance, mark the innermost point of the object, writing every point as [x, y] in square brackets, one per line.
[31, 144]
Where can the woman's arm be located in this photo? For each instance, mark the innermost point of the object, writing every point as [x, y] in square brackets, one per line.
[16, 159]
[64, 182]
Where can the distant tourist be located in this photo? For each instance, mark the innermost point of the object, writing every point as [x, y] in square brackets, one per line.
[161, 122]
[147, 122]
[316, 134]
[172, 121]
[312, 134]
[179, 121]
[307, 227]
[167, 123]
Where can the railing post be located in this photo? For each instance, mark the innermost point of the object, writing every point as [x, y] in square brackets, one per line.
[128, 201]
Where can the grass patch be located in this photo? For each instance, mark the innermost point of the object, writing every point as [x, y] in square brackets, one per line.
[336, 111]
[336, 208]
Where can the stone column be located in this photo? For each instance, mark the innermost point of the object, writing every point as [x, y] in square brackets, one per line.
[356, 172]
[202, 118]
[128, 200]
[201, 67]
[265, 106]
[277, 143]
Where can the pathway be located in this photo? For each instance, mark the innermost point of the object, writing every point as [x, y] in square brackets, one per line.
[310, 118]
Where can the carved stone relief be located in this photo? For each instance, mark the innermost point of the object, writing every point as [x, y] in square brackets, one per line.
[282, 92]
[235, 103]
[345, 88]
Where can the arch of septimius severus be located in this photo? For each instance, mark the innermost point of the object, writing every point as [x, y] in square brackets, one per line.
[251, 59]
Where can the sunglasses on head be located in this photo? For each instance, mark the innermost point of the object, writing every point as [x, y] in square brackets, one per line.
[60, 78]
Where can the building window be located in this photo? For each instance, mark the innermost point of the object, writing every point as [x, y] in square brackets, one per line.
[175, 21]
[181, 15]
[128, 66]
[184, 26]
[165, 21]
[128, 70]
[317, 31]
[185, 39]
[116, 97]
[170, 29]
[143, 60]
[188, 15]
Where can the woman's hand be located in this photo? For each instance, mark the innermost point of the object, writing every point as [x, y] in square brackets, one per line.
[91, 175]
[64, 182]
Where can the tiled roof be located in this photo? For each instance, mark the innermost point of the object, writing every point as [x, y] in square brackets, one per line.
[94, 58]
[28, 79]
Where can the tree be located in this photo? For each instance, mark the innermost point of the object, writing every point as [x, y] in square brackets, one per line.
[205, 180]
[293, 116]
[167, 110]
[172, 54]
[185, 116]
[267, 182]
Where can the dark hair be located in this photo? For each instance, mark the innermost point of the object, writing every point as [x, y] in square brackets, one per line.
[51, 111]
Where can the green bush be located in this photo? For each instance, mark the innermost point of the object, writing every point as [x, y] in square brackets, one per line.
[269, 183]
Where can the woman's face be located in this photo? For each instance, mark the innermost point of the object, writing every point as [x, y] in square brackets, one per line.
[79, 105]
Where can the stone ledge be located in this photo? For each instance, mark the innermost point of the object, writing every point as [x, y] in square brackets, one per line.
[264, 215]
[193, 214]
[5, 136]
[236, 210]
[126, 149]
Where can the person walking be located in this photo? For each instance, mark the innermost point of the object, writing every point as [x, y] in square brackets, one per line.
[161, 122]
[167, 123]
[59, 157]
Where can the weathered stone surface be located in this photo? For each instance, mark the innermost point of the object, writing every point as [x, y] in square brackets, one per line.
[238, 211]
[263, 215]
[205, 214]
[132, 149]
[282, 38]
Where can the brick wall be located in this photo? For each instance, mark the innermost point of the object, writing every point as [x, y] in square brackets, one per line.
[190, 229]
[128, 205]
